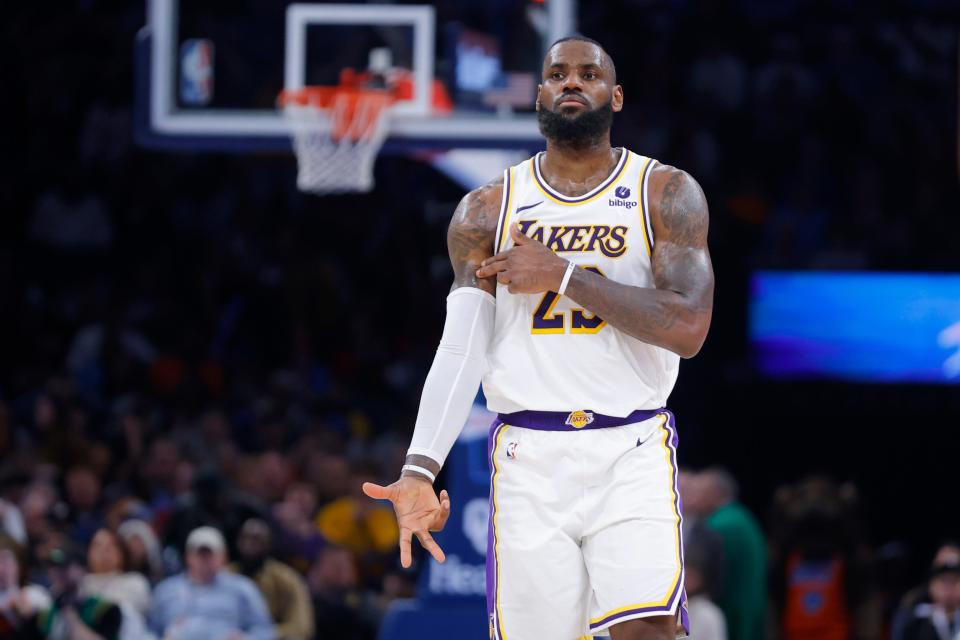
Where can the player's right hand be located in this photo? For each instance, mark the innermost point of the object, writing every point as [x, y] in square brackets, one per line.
[419, 512]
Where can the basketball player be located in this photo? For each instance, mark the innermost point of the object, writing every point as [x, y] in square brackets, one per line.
[581, 279]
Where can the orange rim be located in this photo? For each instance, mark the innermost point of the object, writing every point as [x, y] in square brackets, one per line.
[347, 101]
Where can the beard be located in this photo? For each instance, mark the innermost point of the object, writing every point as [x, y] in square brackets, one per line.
[576, 132]
[251, 565]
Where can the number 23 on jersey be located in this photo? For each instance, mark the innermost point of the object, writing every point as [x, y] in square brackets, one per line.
[546, 320]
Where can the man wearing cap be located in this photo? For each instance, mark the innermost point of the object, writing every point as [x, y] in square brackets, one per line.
[207, 602]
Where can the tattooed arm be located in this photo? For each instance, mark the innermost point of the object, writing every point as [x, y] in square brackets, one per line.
[451, 385]
[471, 235]
[676, 315]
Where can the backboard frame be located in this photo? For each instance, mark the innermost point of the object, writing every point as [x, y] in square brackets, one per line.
[161, 124]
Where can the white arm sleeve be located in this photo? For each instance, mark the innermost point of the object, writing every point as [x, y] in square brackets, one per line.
[451, 385]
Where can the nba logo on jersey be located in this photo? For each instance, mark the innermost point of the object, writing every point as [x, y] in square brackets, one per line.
[512, 450]
[196, 72]
[579, 419]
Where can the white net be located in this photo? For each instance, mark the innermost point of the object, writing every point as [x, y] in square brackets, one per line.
[337, 145]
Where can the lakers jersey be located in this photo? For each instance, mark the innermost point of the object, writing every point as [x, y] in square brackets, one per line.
[548, 353]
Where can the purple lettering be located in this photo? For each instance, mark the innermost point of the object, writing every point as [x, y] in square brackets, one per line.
[525, 225]
[577, 238]
[599, 233]
[555, 243]
[616, 245]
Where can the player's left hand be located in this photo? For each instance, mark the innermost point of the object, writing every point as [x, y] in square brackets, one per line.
[527, 267]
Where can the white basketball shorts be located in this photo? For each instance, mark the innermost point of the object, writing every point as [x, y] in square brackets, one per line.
[585, 524]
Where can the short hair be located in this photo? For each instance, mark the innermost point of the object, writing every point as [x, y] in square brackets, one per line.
[580, 38]
[724, 481]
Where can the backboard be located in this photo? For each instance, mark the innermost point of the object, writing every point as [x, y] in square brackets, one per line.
[209, 71]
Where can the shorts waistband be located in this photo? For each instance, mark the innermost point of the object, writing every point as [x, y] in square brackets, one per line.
[572, 420]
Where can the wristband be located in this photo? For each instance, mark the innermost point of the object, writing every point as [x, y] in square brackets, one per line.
[566, 277]
[420, 470]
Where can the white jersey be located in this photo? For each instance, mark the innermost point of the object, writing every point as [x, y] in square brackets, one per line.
[549, 354]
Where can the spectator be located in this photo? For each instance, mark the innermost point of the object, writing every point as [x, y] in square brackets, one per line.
[159, 474]
[19, 604]
[283, 589]
[744, 596]
[11, 522]
[206, 602]
[299, 538]
[83, 496]
[213, 500]
[820, 566]
[948, 554]
[342, 609]
[706, 619]
[142, 549]
[353, 521]
[697, 538]
[938, 619]
[73, 616]
[108, 577]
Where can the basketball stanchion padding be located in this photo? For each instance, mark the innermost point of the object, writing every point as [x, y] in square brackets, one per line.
[337, 132]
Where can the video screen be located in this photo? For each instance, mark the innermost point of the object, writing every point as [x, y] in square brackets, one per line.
[865, 327]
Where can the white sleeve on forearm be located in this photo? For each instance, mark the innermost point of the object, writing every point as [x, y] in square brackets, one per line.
[452, 383]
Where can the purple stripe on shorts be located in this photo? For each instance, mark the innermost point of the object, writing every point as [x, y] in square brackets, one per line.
[491, 565]
[674, 441]
[632, 612]
[684, 614]
[565, 421]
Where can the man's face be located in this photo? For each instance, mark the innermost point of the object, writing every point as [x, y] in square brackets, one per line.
[203, 564]
[690, 493]
[578, 95]
[254, 540]
[83, 489]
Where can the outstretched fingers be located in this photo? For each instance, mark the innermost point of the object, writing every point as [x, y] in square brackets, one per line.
[379, 492]
[430, 545]
[406, 547]
[443, 514]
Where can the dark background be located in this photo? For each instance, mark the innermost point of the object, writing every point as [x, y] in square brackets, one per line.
[824, 135]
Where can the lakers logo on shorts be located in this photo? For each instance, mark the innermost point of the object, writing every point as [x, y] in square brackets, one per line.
[579, 419]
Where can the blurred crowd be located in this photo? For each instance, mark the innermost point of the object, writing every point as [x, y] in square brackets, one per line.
[131, 530]
[182, 552]
[811, 573]
[200, 365]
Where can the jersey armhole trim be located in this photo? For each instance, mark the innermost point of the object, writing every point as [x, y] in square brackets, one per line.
[645, 224]
[505, 204]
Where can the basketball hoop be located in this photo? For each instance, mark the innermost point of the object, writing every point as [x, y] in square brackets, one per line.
[337, 132]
